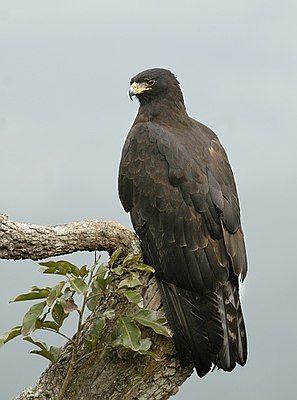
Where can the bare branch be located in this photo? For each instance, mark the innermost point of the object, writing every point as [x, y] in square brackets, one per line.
[20, 241]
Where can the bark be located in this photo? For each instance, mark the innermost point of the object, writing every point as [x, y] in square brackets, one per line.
[113, 374]
[19, 241]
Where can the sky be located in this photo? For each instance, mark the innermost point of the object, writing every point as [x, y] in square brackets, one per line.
[64, 114]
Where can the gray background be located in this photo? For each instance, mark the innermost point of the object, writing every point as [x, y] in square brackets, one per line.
[64, 113]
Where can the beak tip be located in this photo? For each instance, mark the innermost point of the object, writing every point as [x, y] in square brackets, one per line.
[131, 93]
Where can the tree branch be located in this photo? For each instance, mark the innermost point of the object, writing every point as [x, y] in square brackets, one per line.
[20, 241]
[117, 374]
[108, 374]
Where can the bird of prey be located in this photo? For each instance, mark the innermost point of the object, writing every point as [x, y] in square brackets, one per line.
[176, 181]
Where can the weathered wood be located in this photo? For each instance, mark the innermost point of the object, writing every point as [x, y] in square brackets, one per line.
[20, 241]
[107, 374]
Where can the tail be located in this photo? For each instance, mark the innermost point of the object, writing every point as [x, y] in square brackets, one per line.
[209, 329]
[234, 349]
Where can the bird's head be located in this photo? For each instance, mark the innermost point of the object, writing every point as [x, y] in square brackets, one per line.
[152, 84]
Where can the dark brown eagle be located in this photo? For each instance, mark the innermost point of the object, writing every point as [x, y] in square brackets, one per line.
[177, 184]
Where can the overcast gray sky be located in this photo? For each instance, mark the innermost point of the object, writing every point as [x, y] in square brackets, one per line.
[64, 114]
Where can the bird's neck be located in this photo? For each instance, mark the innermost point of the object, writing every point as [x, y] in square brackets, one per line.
[171, 110]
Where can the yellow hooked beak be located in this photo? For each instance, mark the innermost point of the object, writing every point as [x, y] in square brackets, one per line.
[138, 88]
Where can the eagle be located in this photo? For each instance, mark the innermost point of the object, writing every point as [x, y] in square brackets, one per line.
[176, 182]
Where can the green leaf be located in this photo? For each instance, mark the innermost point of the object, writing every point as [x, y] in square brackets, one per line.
[41, 345]
[68, 293]
[55, 352]
[103, 282]
[61, 267]
[92, 301]
[130, 333]
[109, 313]
[102, 270]
[51, 354]
[88, 343]
[129, 282]
[145, 344]
[154, 320]
[114, 257]
[66, 300]
[118, 270]
[59, 314]
[96, 329]
[69, 267]
[47, 325]
[98, 326]
[9, 335]
[130, 260]
[35, 293]
[78, 285]
[55, 293]
[43, 353]
[133, 296]
[150, 353]
[31, 317]
[143, 267]
[83, 271]
[94, 333]
[73, 269]
[55, 270]
[94, 296]
[116, 336]
[102, 278]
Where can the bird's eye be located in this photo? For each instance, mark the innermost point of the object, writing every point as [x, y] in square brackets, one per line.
[150, 82]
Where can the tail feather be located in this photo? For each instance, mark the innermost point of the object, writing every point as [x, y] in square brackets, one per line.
[208, 329]
[234, 349]
[242, 342]
[190, 335]
[196, 326]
